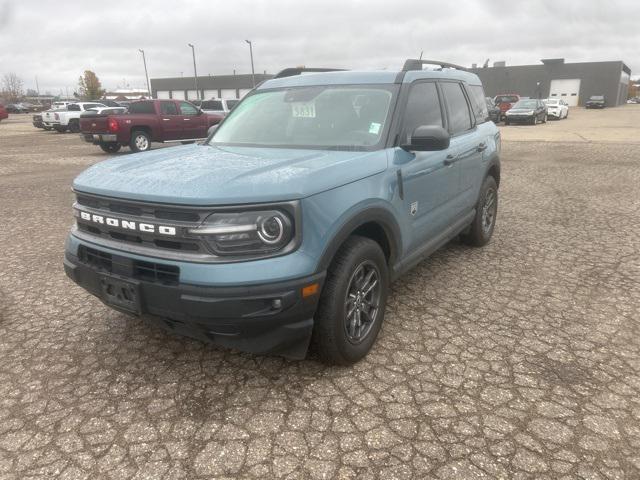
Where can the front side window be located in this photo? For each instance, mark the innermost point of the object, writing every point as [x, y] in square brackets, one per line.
[423, 108]
[459, 117]
[324, 116]
[187, 109]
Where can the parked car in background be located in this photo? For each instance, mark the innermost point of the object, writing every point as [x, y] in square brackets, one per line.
[17, 108]
[595, 101]
[557, 108]
[527, 111]
[3, 112]
[36, 120]
[634, 100]
[108, 103]
[494, 110]
[69, 119]
[505, 101]
[148, 121]
[219, 106]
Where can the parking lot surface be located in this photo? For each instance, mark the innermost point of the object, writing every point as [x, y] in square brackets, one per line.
[518, 360]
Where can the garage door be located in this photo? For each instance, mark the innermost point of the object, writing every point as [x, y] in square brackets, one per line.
[566, 89]
[178, 94]
[228, 93]
[163, 94]
[208, 94]
[244, 91]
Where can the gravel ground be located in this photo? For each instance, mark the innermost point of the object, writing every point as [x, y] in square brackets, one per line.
[519, 360]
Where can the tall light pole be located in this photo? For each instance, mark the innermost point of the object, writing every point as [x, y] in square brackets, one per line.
[195, 72]
[146, 74]
[253, 73]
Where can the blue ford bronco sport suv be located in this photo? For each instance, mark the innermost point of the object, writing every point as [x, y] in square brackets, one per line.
[287, 225]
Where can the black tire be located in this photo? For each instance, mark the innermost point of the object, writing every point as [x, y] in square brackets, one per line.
[506, 122]
[332, 338]
[74, 126]
[480, 232]
[60, 129]
[110, 147]
[137, 144]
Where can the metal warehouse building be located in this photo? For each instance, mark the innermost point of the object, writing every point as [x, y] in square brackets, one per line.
[219, 86]
[573, 82]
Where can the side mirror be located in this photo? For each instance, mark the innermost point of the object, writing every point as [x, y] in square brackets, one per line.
[427, 138]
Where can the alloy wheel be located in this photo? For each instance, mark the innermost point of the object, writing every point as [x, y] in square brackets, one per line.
[362, 302]
[489, 210]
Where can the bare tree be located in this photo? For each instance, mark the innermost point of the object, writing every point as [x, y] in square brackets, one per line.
[12, 87]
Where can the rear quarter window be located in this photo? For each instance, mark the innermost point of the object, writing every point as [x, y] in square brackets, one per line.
[142, 107]
[478, 103]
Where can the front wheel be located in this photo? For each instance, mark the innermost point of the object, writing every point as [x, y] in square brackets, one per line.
[110, 147]
[484, 222]
[74, 126]
[140, 141]
[351, 308]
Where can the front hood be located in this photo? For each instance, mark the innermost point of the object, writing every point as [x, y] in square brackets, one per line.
[521, 110]
[208, 175]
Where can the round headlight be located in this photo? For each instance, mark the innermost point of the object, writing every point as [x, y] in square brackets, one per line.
[271, 229]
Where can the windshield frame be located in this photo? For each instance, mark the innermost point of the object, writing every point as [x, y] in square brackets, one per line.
[392, 88]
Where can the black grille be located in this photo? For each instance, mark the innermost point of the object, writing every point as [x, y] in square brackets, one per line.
[156, 272]
[96, 258]
[181, 218]
[145, 271]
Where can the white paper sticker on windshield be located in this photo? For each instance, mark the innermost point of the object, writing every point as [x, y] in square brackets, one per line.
[374, 128]
[303, 109]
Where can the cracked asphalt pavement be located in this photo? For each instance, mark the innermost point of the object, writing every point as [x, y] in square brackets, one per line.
[518, 360]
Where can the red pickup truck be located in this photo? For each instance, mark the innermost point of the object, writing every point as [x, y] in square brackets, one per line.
[505, 101]
[147, 121]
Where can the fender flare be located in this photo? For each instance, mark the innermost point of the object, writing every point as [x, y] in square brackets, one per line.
[357, 217]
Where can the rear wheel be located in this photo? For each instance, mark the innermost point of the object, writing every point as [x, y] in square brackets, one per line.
[110, 147]
[74, 126]
[140, 141]
[351, 308]
[484, 222]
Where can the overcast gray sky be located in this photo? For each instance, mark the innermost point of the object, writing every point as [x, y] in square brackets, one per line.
[57, 41]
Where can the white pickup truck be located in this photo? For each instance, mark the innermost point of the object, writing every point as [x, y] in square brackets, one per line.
[69, 118]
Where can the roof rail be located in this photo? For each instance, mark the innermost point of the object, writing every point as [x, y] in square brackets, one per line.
[290, 72]
[417, 64]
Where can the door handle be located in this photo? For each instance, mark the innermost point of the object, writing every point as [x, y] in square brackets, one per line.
[482, 147]
[450, 160]
[186, 119]
[166, 119]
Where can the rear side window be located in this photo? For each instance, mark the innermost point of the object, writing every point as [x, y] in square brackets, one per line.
[459, 117]
[187, 109]
[168, 108]
[423, 108]
[142, 107]
[73, 107]
[478, 103]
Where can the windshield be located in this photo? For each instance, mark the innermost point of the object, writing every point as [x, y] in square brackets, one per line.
[526, 104]
[211, 105]
[506, 99]
[551, 101]
[335, 116]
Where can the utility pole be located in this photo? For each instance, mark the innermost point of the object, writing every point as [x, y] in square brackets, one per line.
[195, 72]
[253, 74]
[37, 87]
[146, 74]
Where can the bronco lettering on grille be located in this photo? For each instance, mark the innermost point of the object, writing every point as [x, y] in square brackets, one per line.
[128, 224]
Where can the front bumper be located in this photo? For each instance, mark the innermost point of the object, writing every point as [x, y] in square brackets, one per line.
[271, 318]
[98, 138]
[519, 118]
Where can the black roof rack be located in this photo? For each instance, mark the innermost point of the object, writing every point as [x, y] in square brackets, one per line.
[417, 64]
[290, 72]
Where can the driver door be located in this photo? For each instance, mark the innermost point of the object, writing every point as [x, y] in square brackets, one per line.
[430, 179]
[193, 121]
